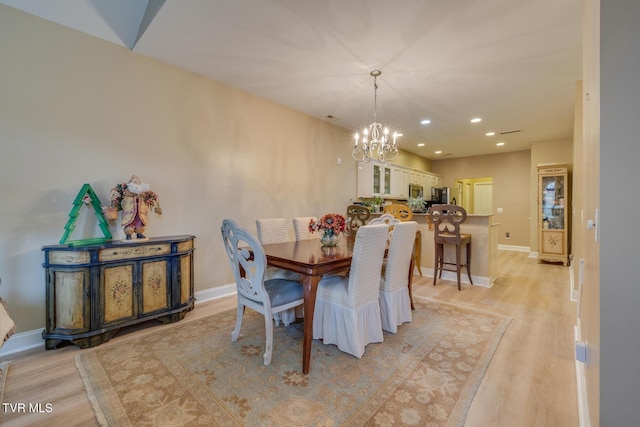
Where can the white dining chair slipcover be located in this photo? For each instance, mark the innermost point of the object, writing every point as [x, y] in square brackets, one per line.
[347, 310]
[389, 220]
[395, 303]
[267, 297]
[274, 230]
[301, 228]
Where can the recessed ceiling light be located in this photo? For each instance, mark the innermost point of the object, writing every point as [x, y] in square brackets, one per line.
[439, 152]
[421, 144]
[476, 120]
[500, 144]
[425, 122]
[490, 133]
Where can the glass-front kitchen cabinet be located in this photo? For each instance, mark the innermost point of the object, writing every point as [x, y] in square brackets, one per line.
[374, 179]
[554, 213]
[391, 181]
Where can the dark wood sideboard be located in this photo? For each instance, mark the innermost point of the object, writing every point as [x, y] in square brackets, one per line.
[95, 290]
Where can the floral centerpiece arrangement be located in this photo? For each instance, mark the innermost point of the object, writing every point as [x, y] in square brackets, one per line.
[331, 225]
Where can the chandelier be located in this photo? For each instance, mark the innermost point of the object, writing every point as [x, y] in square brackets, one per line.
[375, 142]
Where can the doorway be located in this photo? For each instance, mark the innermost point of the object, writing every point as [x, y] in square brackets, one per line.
[474, 194]
[483, 198]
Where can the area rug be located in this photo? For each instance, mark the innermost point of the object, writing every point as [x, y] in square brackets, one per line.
[193, 375]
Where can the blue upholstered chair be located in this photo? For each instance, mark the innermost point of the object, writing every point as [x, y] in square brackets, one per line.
[248, 262]
[274, 230]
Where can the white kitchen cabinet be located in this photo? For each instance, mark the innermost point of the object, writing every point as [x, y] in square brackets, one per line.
[399, 182]
[413, 177]
[404, 183]
[422, 179]
[374, 179]
[431, 181]
[396, 178]
[392, 181]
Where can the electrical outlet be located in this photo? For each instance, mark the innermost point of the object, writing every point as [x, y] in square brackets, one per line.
[508, 235]
[582, 351]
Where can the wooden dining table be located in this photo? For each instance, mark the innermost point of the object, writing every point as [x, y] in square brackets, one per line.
[312, 261]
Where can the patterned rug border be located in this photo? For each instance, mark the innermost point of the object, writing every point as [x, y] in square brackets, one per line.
[92, 381]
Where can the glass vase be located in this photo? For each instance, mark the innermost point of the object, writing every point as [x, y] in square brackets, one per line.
[329, 239]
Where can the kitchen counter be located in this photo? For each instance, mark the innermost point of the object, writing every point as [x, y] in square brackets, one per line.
[484, 248]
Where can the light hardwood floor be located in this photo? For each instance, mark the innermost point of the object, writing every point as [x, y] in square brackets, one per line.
[530, 381]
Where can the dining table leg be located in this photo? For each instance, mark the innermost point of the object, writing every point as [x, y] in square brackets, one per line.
[310, 286]
[411, 265]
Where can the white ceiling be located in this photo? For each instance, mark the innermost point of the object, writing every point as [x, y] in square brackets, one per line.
[512, 62]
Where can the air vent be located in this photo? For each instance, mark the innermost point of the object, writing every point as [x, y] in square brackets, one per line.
[506, 132]
[331, 117]
[446, 154]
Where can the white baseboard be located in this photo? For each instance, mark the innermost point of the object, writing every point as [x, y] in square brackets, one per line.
[215, 293]
[485, 282]
[573, 293]
[533, 254]
[24, 341]
[514, 248]
[581, 385]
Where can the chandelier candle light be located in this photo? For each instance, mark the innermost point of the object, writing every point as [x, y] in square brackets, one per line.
[376, 142]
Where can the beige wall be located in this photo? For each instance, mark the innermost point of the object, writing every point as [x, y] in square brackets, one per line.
[589, 307]
[553, 151]
[578, 222]
[510, 173]
[75, 109]
[412, 161]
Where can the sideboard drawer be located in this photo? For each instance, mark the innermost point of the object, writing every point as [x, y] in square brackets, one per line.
[129, 252]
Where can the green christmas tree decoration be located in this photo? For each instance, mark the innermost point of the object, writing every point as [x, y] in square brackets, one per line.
[85, 192]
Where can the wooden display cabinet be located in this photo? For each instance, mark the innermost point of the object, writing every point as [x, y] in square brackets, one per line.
[95, 290]
[553, 213]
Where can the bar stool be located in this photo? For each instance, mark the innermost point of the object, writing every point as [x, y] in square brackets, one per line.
[446, 231]
[357, 216]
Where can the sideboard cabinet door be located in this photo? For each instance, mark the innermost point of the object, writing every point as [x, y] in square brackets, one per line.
[185, 278]
[155, 292]
[71, 288]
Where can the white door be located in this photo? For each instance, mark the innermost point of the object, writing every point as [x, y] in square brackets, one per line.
[465, 198]
[483, 198]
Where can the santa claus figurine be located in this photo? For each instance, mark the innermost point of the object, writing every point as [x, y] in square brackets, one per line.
[137, 198]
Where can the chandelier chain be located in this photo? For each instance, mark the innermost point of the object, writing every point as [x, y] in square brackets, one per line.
[375, 97]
